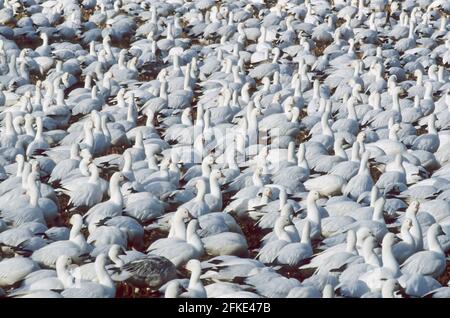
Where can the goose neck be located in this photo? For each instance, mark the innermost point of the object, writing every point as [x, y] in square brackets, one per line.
[94, 175]
[195, 277]
[388, 258]
[114, 257]
[378, 210]
[33, 191]
[193, 239]
[432, 125]
[355, 152]
[428, 91]
[351, 110]
[306, 238]
[326, 130]
[387, 290]
[84, 166]
[178, 227]
[395, 101]
[369, 255]
[281, 233]
[128, 162]
[163, 90]
[406, 236]
[433, 242]
[373, 196]
[102, 274]
[76, 229]
[9, 127]
[338, 150]
[139, 141]
[416, 231]
[231, 158]
[411, 29]
[201, 191]
[215, 187]
[351, 242]
[114, 189]
[63, 274]
[313, 212]
[363, 165]
[20, 165]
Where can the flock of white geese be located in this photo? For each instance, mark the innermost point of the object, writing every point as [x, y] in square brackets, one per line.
[249, 148]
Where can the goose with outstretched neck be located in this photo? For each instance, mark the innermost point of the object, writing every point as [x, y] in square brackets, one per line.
[197, 206]
[180, 251]
[75, 247]
[84, 193]
[416, 228]
[214, 198]
[104, 288]
[111, 208]
[269, 252]
[293, 254]
[195, 288]
[25, 208]
[406, 247]
[312, 215]
[334, 258]
[362, 182]
[389, 269]
[430, 262]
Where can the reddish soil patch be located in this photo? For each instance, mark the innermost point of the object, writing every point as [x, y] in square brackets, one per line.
[445, 278]
[375, 173]
[253, 234]
[320, 47]
[152, 236]
[125, 290]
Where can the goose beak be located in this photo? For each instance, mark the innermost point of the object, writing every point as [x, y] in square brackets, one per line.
[122, 251]
[190, 217]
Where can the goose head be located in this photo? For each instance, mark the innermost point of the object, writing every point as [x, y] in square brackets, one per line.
[392, 82]
[276, 54]
[407, 224]
[216, 174]
[62, 263]
[389, 240]
[313, 196]
[413, 207]
[183, 214]
[117, 178]
[194, 266]
[266, 192]
[284, 219]
[361, 234]
[389, 287]
[361, 137]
